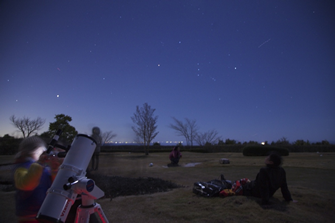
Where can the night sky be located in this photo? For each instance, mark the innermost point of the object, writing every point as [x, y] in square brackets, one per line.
[251, 70]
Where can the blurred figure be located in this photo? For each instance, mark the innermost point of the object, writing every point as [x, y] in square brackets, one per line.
[95, 158]
[34, 173]
[175, 156]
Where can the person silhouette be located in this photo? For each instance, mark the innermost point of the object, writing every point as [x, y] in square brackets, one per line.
[95, 158]
[175, 156]
[269, 179]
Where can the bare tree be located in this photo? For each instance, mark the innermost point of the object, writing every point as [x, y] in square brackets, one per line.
[107, 136]
[145, 125]
[188, 129]
[283, 141]
[207, 137]
[26, 125]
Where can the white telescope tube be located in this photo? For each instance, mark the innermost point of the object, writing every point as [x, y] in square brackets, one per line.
[59, 201]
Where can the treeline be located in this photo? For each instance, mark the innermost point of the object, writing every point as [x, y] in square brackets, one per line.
[237, 148]
[145, 129]
[281, 142]
[9, 145]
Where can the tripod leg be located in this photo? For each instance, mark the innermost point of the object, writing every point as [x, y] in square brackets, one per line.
[83, 215]
[98, 209]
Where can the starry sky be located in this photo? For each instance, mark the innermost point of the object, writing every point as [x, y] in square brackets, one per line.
[251, 70]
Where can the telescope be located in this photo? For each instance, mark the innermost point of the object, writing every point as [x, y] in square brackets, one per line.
[70, 182]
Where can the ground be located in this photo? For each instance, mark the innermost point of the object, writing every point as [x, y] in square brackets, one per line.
[310, 179]
[115, 186]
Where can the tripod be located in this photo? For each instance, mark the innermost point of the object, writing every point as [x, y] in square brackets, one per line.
[84, 213]
[88, 205]
[70, 182]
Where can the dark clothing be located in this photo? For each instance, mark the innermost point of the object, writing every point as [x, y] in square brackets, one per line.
[174, 156]
[268, 181]
[95, 161]
[95, 156]
[174, 160]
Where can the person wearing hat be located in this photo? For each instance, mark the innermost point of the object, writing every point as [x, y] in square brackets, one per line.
[34, 173]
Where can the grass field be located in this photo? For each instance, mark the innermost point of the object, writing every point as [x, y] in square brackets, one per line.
[310, 176]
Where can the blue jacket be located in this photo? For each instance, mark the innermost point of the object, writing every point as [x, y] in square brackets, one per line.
[28, 202]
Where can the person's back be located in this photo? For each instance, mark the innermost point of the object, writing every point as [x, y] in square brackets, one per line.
[268, 181]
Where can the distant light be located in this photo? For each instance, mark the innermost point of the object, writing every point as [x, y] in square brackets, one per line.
[263, 143]
[57, 95]
[158, 65]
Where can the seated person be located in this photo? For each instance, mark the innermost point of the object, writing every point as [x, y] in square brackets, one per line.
[175, 155]
[269, 179]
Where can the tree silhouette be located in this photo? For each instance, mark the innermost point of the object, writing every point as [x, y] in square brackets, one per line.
[210, 138]
[188, 129]
[145, 125]
[26, 125]
[107, 136]
[62, 122]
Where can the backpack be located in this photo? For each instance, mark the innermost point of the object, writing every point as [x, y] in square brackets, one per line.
[236, 188]
[211, 188]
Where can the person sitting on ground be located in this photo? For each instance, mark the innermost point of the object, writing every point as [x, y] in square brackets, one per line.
[269, 179]
[34, 173]
[175, 156]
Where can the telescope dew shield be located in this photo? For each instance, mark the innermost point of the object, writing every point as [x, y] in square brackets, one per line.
[59, 201]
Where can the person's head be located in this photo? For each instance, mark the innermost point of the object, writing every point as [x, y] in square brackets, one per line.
[96, 131]
[274, 159]
[176, 148]
[31, 147]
